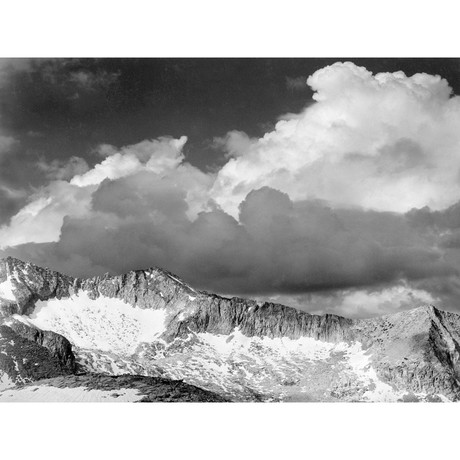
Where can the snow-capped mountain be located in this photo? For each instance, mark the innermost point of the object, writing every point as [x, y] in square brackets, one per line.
[64, 338]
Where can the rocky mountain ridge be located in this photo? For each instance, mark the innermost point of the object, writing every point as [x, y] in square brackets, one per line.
[238, 348]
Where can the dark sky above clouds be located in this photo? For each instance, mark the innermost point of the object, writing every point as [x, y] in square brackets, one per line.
[337, 195]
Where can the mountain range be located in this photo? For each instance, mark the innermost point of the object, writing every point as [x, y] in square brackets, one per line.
[148, 336]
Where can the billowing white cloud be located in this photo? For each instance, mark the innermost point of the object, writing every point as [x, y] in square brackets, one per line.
[234, 143]
[157, 155]
[297, 211]
[385, 142]
[41, 219]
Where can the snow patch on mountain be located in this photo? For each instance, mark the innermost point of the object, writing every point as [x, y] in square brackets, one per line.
[116, 327]
[110, 364]
[280, 368]
[237, 342]
[360, 362]
[106, 324]
[5, 381]
[7, 289]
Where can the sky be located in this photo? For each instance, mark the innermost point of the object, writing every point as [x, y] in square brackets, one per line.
[331, 185]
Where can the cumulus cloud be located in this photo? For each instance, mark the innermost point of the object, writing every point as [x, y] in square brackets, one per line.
[333, 200]
[234, 143]
[276, 245]
[42, 218]
[157, 155]
[385, 142]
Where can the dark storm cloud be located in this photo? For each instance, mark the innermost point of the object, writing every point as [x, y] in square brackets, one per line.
[440, 228]
[276, 247]
[443, 226]
[446, 219]
[64, 115]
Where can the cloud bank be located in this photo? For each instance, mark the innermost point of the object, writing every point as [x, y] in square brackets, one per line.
[354, 197]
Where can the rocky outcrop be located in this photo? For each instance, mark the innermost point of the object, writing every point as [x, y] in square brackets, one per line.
[156, 288]
[153, 288]
[417, 349]
[58, 346]
[31, 283]
[26, 360]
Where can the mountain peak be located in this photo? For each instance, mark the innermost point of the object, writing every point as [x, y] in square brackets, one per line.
[151, 322]
[14, 261]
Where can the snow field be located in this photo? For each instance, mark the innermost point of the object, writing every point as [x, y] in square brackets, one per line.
[106, 324]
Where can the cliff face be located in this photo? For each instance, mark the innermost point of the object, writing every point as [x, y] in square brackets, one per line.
[234, 346]
[153, 289]
[158, 289]
[29, 283]
[57, 345]
[34, 355]
[219, 315]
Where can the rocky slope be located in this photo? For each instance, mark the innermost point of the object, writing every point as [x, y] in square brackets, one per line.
[104, 388]
[151, 323]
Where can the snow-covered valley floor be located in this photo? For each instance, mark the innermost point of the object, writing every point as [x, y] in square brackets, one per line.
[115, 338]
[44, 393]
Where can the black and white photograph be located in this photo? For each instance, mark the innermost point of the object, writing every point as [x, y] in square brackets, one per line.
[171, 232]
[259, 230]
